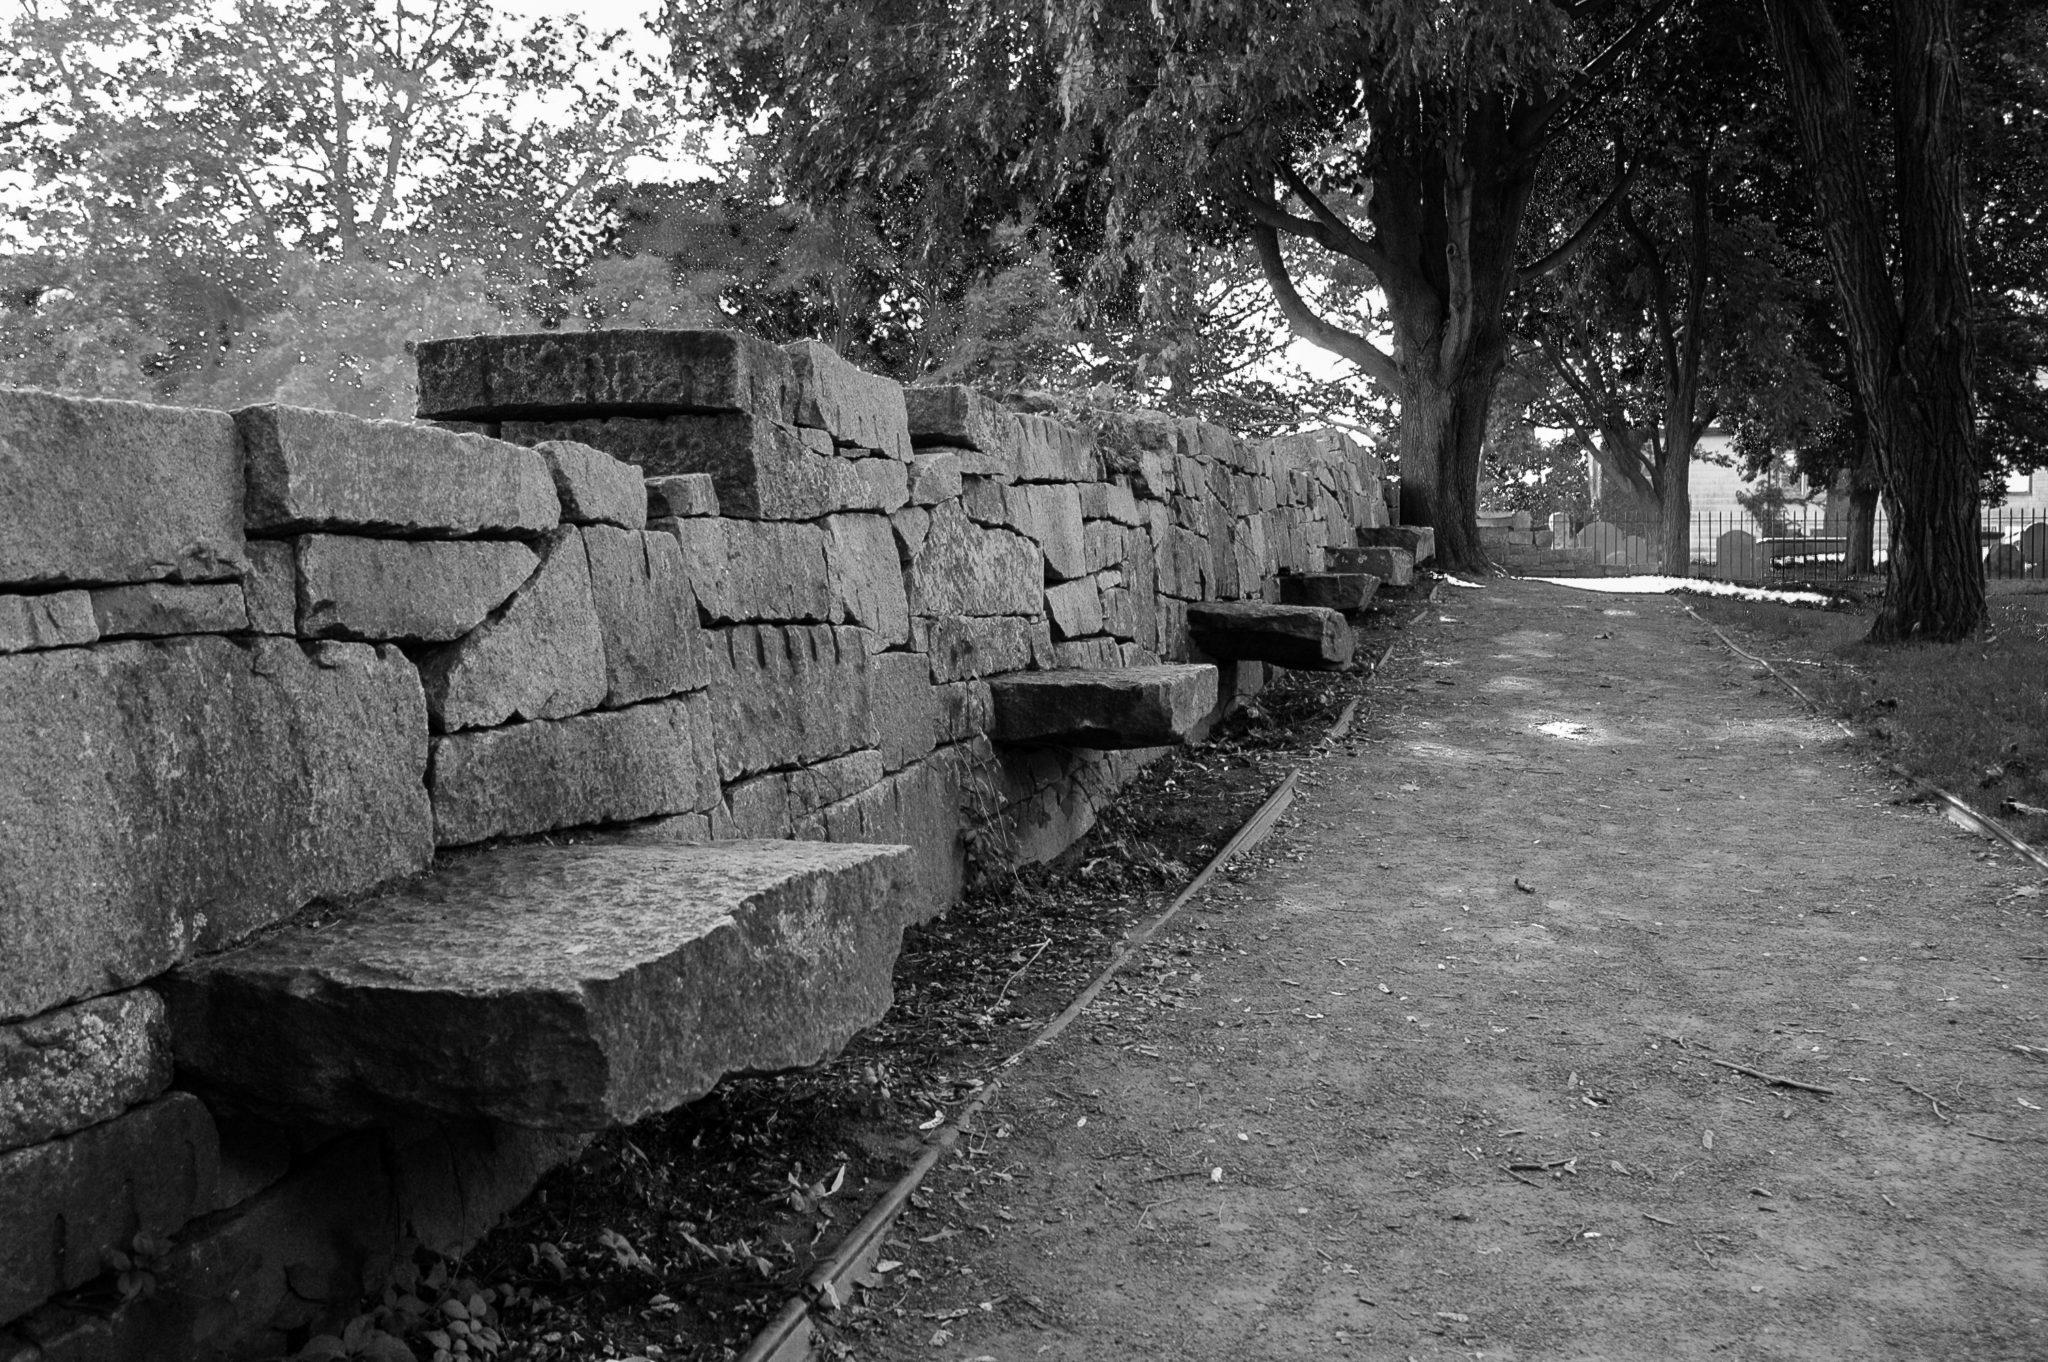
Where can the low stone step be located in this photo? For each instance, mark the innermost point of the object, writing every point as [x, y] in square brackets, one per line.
[1347, 592]
[1394, 567]
[1304, 637]
[556, 987]
[1419, 540]
[1128, 707]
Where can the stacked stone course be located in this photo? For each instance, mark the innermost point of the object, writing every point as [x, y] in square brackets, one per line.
[670, 599]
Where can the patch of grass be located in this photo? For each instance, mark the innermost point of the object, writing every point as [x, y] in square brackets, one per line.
[1970, 717]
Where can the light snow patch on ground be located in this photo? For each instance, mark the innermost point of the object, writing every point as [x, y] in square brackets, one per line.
[1657, 586]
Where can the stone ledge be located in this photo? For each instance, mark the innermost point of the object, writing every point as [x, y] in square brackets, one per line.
[1304, 637]
[1419, 540]
[555, 987]
[1349, 592]
[1129, 707]
[1394, 567]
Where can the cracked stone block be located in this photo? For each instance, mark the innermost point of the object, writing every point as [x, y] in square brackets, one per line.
[76, 1066]
[1343, 591]
[934, 476]
[1049, 450]
[865, 576]
[1075, 608]
[1110, 501]
[542, 657]
[553, 987]
[157, 796]
[1050, 515]
[270, 587]
[962, 648]
[103, 492]
[57, 619]
[430, 591]
[65, 1202]
[963, 568]
[1394, 567]
[813, 787]
[1304, 637]
[612, 766]
[323, 470]
[595, 488]
[1133, 707]
[1418, 540]
[563, 374]
[851, 405]
[646, 615]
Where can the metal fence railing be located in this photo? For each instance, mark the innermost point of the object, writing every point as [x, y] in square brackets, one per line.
[1735, 546]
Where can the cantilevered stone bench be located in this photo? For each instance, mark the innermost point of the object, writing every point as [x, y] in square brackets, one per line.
[1394, 567]
[1345, 592]
[1418, 540]
[1304, 637]
[1129, 707]
[558, 987]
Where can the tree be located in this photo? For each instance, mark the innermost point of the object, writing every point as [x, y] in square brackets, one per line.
[1378, 135]
[191, 174]
[1909, 340]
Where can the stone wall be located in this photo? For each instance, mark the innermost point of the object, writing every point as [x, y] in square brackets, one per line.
[650, 588]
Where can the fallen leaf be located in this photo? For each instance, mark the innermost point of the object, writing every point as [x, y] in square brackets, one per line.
[1454, 1317]
[1707, 1140]
[938, 1119]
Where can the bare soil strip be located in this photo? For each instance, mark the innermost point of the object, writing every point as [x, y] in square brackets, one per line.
[1598, 1003]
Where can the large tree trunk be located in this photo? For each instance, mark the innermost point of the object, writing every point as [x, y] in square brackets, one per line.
[1909, 353]
[1443, 420]
[1675, 514]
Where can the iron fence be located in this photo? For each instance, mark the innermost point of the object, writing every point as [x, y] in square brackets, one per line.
[1737, 547]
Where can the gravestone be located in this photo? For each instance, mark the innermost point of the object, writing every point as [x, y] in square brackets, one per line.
[1736, 557]
[1599, 539]
[2005, 560]
[2033, 544]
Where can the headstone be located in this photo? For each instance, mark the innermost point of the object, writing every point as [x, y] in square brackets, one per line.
[2033, 543]
[2005, 560]
[1560, 528]
[1600, 540]
[1736, 557]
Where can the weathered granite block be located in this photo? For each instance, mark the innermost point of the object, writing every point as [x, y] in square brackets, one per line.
[1049, 450]
[853, 406]
[982, 499]
[963, 420]
[322, 470]
[761, 468]
[541, 658]
[1104, 542]
[975, 646]
[116, 491]
[1346, 591]
[913, 525]
[154, 795]
[612, 766]
[918, 806]
[760, 805]
[906, 707]
[1135, 707]
[966, 569]
[1119, 615]
[1110, 501]
[559, 987]
[65, 1202]
[934, 476]
[882, 485]
[1394, 567]
[557, 374]
[594, 487]
[773, 571]
[681, 495]
[646, 615]
[156, 609]
[789, 695]
[1075, 608]
[964, 710]
[1304, 637]
[270, 587]
[827, 782]
[58, 619]
[76, 1066]
[1098, 652]
[1050, 514]
[430, 591]
[866, 578]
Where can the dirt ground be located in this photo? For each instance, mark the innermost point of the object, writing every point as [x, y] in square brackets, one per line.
[1435, 1073]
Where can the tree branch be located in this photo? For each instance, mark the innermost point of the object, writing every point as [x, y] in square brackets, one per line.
[1378, 365]
[1533, 125]
[1561, 256]
[1272, 216]
[1367, 253]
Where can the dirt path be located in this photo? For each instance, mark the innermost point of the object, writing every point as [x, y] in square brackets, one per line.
[1575, 855]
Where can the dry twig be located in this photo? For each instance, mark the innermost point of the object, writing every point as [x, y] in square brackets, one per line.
[1924, 1093]
[1778, 1079]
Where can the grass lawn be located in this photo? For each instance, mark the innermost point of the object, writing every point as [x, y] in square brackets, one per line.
[1972, 718]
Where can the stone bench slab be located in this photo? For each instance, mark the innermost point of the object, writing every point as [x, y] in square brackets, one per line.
[1419, 540]
[1129, 707]
[1304, 637]
[1394, 567]
[1349, 592]
[556, 987]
